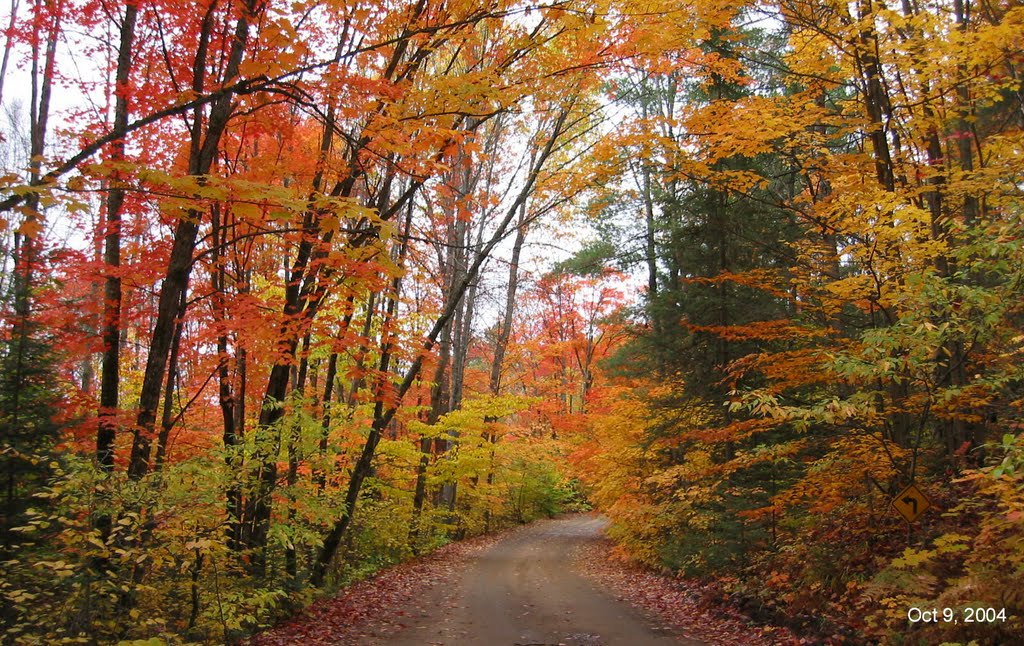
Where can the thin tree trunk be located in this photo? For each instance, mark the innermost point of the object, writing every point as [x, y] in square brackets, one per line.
[505, 331]
[233, 444]
[168, 419]
[229, 406]
[25, 246]
[438, 395]
[876, 102]
[294, 456]
[502, 340]
[8, 46]
[650, 247]
[320, 474]
[110, 380]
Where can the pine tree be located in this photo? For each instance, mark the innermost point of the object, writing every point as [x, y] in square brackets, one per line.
[27, 429]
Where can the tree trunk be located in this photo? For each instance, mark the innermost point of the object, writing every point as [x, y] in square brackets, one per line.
[168, 419]
[8, 46]
[320, 474]
[229, 406]
[505, 330]
[110, 380]
[294, 456]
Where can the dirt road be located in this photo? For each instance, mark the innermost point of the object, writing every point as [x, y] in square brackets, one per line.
[523, 591]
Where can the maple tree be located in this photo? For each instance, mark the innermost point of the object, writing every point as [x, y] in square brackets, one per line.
[260, 337]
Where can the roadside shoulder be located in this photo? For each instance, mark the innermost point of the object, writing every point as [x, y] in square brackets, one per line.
[681, 606]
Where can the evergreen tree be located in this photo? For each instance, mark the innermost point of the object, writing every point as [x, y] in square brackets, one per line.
[710, 237]
[27, 429]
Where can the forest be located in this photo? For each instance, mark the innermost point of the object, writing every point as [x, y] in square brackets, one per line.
[294, 291]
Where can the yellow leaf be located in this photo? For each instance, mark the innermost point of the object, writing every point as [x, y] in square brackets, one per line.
[31, 227]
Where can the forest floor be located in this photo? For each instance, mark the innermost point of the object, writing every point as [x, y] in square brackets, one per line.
[553, 582]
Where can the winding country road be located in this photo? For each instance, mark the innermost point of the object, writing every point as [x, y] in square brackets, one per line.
[523, 591]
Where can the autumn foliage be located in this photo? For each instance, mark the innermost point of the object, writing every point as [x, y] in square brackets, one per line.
[272, 319]
[833, 314]
[241, 311]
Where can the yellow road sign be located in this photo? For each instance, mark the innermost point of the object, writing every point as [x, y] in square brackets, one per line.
[911, 503]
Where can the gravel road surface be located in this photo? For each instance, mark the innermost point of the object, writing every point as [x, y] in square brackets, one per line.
[523, 591]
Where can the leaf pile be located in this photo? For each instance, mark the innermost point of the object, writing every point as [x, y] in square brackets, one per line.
[370, 611]
[685, 607]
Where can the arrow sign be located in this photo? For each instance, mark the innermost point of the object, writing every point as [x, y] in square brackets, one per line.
[911, 503]
[910, 500]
